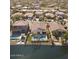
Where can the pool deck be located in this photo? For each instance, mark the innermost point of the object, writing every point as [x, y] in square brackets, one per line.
[14, 42]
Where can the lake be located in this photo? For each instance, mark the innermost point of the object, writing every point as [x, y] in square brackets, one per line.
[38, 52]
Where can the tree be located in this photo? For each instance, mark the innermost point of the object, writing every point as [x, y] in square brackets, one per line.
[41, 18]
[65, 35]
[16, 18]
[58, 33]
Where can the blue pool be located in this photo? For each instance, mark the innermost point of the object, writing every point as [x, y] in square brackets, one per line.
[15, 35]
[41, 37]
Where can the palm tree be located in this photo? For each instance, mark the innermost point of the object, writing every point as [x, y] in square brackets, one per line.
[48, 31]
[65, 37]
[28, 34]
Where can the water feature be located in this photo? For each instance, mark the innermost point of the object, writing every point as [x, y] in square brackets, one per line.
[38, 52]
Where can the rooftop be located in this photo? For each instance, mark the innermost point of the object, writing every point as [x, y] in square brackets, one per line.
[20, 23]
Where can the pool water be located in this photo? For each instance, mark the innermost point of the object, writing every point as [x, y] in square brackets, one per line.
[40, 37]
[15, 35]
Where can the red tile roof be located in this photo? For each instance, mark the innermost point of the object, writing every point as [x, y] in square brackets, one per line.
[34, 26]
[54, 26]
[42, 25]
[20, 23]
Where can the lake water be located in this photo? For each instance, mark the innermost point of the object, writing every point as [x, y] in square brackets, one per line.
[38, 52]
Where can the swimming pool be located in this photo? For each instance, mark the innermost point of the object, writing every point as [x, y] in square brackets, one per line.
[40, 37]
[16, 35]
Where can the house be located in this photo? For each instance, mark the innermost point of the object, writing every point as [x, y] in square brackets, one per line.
[41, 26]
[39, 13]
[17, 14]
[20, 26]
[36, 26]
[49, 15]
[29, 16]
[39, 29]
[36, 4]
[55, 26]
